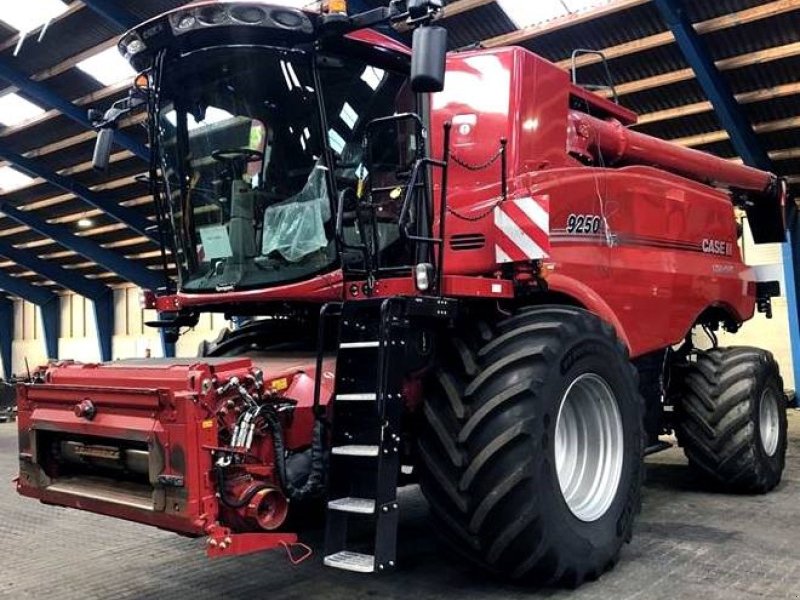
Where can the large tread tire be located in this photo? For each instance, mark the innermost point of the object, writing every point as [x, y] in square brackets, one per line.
[719, 419]
[486, 445]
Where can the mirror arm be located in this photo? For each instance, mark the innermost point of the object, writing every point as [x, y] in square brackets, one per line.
[179, 320]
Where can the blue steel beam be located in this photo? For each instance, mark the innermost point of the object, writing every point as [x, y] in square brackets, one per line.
[46, 97]
[131, 217]
[113, 12]
[46, 301]
[744, 139]
[63, 277]
[132, 271]
[102, 296]
[6, 335]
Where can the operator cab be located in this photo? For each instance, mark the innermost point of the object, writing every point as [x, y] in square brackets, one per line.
[253, 142]
[282, 142]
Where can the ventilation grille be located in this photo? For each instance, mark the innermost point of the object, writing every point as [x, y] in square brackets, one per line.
[467, 241]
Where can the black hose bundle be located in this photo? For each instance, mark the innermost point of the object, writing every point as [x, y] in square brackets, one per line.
[315, 484]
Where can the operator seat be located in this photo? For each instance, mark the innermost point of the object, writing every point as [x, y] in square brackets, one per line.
[241, 230]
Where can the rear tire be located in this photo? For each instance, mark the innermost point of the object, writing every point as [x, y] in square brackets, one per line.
[502, 418]
[732, 419]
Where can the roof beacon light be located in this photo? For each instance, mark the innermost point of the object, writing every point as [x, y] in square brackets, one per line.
[336, 6]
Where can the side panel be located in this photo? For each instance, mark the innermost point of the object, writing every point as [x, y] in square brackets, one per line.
[527, 107]
[658, 249]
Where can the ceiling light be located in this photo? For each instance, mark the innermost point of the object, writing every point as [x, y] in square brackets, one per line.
[14, 109]
[11, 179]
[108, 67]
[31, 14]
[85, 223]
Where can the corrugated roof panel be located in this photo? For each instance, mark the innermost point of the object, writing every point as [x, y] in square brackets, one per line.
[664, 97]
[764, 75]
[774, 110]
[663, 59]
[723, 148]
[780, 140]
[73, 84]
[683, 127]
[478, 24]
[755, 36]
[702, 10]
[611, 30]
[63, 39]
[145, 9]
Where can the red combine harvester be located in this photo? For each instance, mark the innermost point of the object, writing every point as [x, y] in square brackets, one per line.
[510, 324]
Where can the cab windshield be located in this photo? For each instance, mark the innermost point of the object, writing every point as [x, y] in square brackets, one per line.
[245, 159]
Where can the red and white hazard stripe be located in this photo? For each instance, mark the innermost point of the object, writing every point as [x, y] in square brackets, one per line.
[522, 229]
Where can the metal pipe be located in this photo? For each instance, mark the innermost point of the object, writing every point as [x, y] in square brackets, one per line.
[611, 142]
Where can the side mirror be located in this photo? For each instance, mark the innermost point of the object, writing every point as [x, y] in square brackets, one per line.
[428, 57]
[393, 144]
[102, 149]
[106, 122]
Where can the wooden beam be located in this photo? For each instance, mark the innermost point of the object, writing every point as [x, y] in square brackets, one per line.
[787, 154]
[461, 6]
[757, 13]
[76, 139]
[779, 91]
[719, 136]
[726, 64]
[570, 20]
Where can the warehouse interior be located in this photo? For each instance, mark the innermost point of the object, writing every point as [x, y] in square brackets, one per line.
[59, 281]
[79, 247]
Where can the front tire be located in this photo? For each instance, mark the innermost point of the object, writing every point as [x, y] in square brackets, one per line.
[732, 419]
[531, 446]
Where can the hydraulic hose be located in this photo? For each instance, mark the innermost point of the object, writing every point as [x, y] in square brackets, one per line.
[246, 497]
[315, 484]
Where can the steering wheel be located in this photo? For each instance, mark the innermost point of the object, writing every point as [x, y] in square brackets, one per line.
[233, 154]
[237, 159]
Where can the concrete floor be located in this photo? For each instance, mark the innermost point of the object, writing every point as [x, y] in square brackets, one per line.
[688, 544]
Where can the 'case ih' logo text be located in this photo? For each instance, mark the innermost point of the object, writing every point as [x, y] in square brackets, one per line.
[717, 247]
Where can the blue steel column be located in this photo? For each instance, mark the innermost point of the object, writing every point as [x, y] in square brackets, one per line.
[104, 319]
[100, 295]
[6, 334]
[47, 302]
[744, 139]
[51, 322]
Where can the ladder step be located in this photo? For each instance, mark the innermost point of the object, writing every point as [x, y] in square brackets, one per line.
[357, 397]
[355, 450]
[351, 561]
[362, 506]
[357, 345]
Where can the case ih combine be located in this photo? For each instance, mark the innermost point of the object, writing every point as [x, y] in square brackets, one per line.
[508, 324]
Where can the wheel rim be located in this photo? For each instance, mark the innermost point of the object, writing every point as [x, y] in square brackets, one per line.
[769, 421]
[589, 447]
